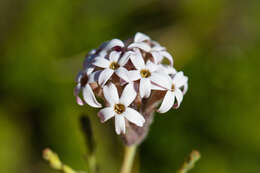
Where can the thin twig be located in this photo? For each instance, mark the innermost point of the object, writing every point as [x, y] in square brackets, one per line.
[55, 162]
[190, 163]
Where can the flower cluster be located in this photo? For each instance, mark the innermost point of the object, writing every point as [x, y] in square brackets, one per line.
[130, 76]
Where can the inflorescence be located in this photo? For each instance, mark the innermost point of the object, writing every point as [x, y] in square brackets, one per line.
[127, 76]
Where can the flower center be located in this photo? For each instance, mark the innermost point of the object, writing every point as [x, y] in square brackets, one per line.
[119, 108]
[173, 87]
[145, 73]
[114, 65]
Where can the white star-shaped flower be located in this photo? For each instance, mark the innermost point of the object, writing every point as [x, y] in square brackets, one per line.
[173, 91]
[114, 64]
[84, 79]
[147, 73]
[119, 107]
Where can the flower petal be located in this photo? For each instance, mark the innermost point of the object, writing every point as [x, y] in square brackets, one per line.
[181, 81]
[114, 56]
[128, 95]
[137, 60]
[120, 124]
[155, 44]
[134, 117]
[151, 66]
[139, 37]
[79, 101]
[101, 62]
[161, 79]
[185, 88]
[106, 113]
[89, 69]
[77, 89]
[114, 43]
[79, 76]
[157, 47]
[157, 56]
[167, 69]
[124, 59]
[134, 75]
[89, 97]
[122, 73]
[105, 76]
[145, 87]
[141, 45]
[179, 97]
[167, 102]
[93, 77]
[111, 94]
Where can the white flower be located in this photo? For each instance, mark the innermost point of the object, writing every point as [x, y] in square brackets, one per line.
[139, 42]
[114, 64]
[83, 83]
[147, 73]
[173, 91]
[119, 107]
[158, 52]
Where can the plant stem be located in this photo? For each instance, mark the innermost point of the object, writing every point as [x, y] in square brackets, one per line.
[128, 159]
[92, 164]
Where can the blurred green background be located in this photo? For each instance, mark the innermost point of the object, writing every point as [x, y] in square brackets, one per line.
[216, 43]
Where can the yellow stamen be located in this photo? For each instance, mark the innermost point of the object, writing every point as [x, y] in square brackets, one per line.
[114, 65]
[119, 108]
[145, 73]
[173, 87]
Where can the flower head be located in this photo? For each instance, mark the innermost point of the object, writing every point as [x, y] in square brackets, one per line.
[135, 71]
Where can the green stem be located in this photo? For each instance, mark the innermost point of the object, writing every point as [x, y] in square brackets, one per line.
[128, 159]
[92, 164]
